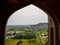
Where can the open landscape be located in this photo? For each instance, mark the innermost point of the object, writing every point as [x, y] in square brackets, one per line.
[27, 34]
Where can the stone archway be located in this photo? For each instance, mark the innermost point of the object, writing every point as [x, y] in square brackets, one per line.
[22, 4]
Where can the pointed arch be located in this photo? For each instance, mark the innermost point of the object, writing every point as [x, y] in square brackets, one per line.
[12, 8]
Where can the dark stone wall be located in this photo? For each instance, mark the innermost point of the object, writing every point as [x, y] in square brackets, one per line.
[54, 5]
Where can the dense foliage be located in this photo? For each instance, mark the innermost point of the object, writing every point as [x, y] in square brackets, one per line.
[25, 36]
[28, 36]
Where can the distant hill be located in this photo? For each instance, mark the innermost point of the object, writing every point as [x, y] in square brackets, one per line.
[40, 26]
[18, 26]
[32, 27]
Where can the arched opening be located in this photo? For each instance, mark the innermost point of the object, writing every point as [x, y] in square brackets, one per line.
[25, 22]
[12, 8]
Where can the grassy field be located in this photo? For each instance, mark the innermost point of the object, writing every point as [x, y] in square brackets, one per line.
[24, 42]
[12, 41]
[37, 41]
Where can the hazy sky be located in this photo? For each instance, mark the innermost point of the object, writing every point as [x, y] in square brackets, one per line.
[28, 15]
